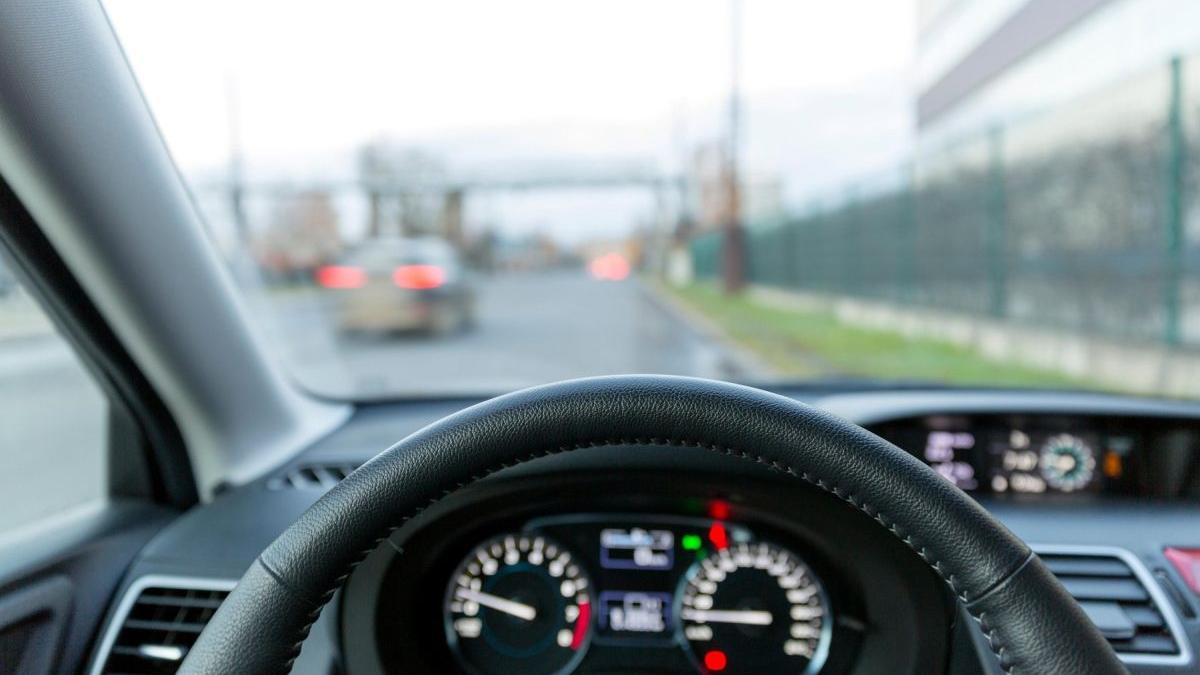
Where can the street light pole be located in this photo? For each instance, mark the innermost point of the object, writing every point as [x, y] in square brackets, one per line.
[733, 251]
[237, 195]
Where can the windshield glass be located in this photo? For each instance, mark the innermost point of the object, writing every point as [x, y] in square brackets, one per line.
[444, 198]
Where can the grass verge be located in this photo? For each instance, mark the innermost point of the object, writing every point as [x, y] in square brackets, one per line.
[804, 344]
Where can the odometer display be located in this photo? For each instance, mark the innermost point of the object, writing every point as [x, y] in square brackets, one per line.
[518, 604]
[752, 607]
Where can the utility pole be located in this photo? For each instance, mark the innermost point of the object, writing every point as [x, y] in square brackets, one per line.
[733, 251]
[452, 217]
[1175, 207]
[236, 170]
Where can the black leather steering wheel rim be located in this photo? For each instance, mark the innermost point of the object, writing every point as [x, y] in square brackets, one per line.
[1032, 624]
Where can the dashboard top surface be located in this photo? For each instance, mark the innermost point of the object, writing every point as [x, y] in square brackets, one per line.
[376, 427]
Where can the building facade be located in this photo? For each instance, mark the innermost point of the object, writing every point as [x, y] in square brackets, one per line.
[987, 64]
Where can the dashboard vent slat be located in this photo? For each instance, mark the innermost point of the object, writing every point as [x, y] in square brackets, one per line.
[1089, 566]
[1118, 601]
[155, 630]
[1093, 588]
[312, 476]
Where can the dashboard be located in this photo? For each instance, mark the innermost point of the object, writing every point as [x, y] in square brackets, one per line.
[685, 561]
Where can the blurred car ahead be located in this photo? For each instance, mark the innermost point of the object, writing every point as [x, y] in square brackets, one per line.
[390, 285]
[609, 267]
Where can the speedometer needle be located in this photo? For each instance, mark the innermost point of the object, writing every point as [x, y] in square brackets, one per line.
[749, 617]
[511, 607]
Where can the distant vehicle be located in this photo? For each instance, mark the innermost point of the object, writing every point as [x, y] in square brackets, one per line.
[400, 284]
[609, 267]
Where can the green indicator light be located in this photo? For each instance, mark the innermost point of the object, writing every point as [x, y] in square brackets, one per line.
[692, 542]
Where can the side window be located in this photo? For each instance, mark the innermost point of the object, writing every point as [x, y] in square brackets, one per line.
[53, 417]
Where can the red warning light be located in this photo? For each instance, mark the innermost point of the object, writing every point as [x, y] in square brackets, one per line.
[715, 660]
[718, 536]
[718, 509]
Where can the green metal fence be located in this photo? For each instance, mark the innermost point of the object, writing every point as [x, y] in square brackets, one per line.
[1077, 219]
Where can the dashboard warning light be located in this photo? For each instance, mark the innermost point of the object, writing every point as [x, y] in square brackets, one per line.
[718, 509]
[718, 536]
[1112, 465]
[715, 661]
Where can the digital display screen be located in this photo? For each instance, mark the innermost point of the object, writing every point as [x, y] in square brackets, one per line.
[637, 565]
[1014, 456]
[1020, 461]
[634, 611]
[635, 548]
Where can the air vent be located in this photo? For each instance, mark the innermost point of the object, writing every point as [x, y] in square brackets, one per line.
[157, 623]
[1118, 595]
[312, 476]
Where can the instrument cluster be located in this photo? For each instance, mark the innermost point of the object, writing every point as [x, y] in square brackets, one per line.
[644, 571]
[534, 600]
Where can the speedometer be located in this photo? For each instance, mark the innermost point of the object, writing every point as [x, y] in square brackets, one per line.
[753, 607]
[518, 604]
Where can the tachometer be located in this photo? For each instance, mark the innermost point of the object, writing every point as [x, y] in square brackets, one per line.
[518, 604]
[753, 607]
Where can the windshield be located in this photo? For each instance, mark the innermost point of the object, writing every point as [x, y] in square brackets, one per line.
[459, 198]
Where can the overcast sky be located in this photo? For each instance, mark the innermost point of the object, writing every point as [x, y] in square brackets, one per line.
[826, 83]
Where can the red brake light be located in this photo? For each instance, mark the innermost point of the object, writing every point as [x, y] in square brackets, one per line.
[341, 276]
[418, 277]
[609, 267]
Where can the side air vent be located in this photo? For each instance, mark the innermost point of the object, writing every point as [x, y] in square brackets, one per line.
[322, 476]
[157, 623]
[1118, 595]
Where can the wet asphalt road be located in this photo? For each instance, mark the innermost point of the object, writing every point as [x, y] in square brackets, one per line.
[530, 328]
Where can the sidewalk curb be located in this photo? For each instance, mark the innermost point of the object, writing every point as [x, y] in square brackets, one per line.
[746, 360]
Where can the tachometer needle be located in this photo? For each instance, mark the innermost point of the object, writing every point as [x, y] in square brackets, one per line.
[511, 607]
[749, 617]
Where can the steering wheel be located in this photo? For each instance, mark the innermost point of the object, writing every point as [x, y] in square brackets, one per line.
[1031, 623]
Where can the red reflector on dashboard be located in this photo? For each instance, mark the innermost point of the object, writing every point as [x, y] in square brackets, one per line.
[1187, 562]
